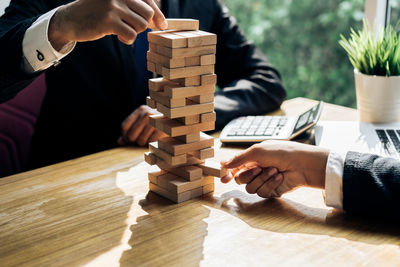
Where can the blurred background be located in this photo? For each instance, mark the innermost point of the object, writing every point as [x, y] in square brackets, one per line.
[300, 38]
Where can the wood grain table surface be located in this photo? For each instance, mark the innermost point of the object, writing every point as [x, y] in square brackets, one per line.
[97, 211]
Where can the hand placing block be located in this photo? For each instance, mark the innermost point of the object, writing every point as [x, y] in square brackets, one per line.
[185, 57]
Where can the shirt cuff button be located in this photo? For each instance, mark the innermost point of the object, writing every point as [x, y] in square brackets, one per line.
[39, 55]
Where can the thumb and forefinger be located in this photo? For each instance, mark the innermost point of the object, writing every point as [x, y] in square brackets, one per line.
[240, 159]
[159, 21]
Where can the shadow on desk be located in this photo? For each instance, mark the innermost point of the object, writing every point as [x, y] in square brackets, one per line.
[163, 238]
[212, 226]
[313, 220]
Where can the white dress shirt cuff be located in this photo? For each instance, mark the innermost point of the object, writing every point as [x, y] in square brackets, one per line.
[38, 52]
[334, 180]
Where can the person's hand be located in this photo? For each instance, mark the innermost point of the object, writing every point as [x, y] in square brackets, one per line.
[273, 168]
[136, 128]
[88, 20]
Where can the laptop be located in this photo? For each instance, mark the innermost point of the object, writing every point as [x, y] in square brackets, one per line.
[254, 129]
[380, 139]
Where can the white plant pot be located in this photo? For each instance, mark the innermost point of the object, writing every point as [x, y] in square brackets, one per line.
[378, 97]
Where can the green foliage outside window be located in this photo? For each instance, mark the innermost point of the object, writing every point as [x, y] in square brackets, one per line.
[300, 38]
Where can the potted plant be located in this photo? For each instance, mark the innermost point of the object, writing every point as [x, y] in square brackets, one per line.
[376, 63]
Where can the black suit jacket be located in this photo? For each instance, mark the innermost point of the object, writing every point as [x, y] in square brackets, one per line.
[371, 185]
[92, 91]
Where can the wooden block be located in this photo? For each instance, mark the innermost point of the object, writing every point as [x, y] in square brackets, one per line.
[170, 159]
[189, 81]
[193, 61]
[208, 188]
[157, 84]
[207, 60]
[169, 39]
[178, 185]
[155, 178]
[190, 129]
[153, 47]
[186, 71]
[151, 66]
[177, 198]
[164, 99]
[204, 153]
[156, 31]
[189, 172]
[181, 92]
[171, 196]
[150, 158]
[150, 102]
[199, 38]
[189, 138]
[214, 169]
[159, 69]
[183, 24]
[202, 99]
[207, 117]
[178, 147]
[193, 161]
[189, 120]
[159, 122]
[208, 79]
[166, 61]
[186, 110]
[154, 173]
[184, 52]
[196, 192]
[206, 38]
[174, 128]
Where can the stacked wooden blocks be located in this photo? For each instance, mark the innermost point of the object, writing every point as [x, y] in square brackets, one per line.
[185, 58]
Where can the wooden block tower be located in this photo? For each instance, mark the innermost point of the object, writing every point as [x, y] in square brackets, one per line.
[185, 58]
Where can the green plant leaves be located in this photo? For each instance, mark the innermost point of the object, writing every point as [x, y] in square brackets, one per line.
[373, 56]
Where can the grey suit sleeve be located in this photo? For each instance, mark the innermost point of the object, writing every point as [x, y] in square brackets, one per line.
[371, 185]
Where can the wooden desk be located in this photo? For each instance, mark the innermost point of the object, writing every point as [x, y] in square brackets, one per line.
[96, 210]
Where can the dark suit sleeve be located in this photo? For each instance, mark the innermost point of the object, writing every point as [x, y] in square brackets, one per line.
[249, 84]
[18, 17]
[371, 185]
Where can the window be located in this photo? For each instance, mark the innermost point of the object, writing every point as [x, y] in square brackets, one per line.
[394, 13]
[300, 38]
